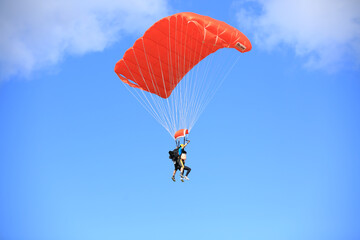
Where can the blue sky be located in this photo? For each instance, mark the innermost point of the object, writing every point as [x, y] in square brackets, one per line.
[274, 156]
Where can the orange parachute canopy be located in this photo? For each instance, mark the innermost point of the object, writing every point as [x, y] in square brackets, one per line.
[172, 47]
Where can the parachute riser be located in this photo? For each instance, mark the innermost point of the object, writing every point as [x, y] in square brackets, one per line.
[178, 141]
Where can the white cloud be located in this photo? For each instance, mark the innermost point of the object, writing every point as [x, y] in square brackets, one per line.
[38, 33]
[325, 32]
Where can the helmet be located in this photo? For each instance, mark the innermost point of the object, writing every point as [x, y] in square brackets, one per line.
[182, 145]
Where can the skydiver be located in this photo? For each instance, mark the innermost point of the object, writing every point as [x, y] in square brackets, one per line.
[182, 158]
[177, 166]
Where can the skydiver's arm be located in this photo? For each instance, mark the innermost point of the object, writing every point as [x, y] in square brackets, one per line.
[186, 143]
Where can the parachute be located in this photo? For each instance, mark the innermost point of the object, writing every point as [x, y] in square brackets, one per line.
[156, 67]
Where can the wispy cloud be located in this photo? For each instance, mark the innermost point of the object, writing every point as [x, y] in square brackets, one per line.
[325, 32]
[39, 33]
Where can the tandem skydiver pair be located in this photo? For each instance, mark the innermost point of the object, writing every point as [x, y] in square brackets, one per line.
[178, 156]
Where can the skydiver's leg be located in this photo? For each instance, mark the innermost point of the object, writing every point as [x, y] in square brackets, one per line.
[188, 170]
[173, 176]
[187, 173]
[182, 167]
